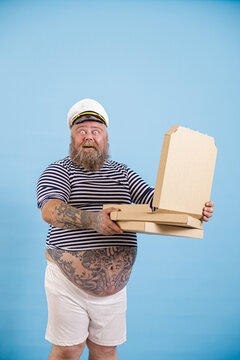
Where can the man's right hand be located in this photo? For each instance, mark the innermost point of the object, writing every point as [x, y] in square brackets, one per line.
[102, 223]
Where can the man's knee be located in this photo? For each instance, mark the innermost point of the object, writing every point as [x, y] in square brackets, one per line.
[66, 352]
[102, 352]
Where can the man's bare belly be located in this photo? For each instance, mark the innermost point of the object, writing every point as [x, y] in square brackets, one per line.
[99, 272]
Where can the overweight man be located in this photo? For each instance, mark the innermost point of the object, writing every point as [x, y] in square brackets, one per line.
[89, 258]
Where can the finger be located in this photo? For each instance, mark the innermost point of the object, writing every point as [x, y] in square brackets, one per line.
[205, 218]
[115, 228]
[111, 209]
[112, 229]
[209, 210]
[207, 214]
[209, 203]
[110, 226]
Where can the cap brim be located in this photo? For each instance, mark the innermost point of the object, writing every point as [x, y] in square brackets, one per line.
[88, 118]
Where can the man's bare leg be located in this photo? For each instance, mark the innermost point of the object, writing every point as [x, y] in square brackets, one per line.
[99, 352]
[66, 352]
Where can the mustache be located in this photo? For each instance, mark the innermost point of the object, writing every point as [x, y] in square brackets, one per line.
[89, 144]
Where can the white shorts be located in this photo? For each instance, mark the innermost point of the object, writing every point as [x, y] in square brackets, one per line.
[74, 315]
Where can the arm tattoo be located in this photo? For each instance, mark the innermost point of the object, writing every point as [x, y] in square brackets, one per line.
[68, 217]
[98, 222]
[99, 272]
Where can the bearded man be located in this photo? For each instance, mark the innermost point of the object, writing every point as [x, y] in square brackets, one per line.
[89, 258]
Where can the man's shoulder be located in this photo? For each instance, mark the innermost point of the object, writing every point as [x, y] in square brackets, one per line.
[65, 163]
[116, 165]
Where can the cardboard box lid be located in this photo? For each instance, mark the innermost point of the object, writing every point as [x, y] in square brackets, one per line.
[185, 172]
[136, 208]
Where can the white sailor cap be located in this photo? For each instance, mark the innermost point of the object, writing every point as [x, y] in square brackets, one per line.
[87, 110]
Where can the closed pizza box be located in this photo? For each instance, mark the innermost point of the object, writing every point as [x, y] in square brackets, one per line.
[143, 212]
[147, 227]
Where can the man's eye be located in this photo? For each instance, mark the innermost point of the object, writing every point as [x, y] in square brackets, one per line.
[95, 132]
[81, 132]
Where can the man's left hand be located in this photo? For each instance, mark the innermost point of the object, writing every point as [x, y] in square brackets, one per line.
[208, 210]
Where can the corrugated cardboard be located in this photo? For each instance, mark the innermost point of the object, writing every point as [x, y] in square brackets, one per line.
[183, 186]
[136, 208]
[158, 218]
[152, 228]
[143, 212]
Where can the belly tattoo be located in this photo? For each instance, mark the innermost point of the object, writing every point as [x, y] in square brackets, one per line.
[99, 272]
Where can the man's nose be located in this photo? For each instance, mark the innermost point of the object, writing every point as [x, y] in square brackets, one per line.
[88, 136]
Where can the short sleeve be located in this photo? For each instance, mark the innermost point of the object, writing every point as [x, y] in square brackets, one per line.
[54, 183]
[141, 192]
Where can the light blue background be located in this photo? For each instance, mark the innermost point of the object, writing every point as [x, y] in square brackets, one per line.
[152, 64]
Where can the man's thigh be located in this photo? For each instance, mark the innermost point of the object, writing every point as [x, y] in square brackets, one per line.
[74, 316]
[107, 314]
[68, 319]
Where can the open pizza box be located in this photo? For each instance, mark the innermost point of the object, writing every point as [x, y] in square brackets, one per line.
[183, 186]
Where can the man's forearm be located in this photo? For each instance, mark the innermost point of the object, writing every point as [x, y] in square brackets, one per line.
[64, 216]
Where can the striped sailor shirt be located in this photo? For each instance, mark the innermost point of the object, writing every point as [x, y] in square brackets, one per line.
[89, 190]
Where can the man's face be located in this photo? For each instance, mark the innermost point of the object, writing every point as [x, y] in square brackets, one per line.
[89, 145]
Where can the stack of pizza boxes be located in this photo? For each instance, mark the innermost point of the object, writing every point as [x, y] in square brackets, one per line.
[183, 186]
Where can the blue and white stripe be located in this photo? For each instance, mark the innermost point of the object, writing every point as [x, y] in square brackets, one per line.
[87, 190]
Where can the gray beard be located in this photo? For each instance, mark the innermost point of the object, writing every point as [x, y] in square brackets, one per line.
[89, 160]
